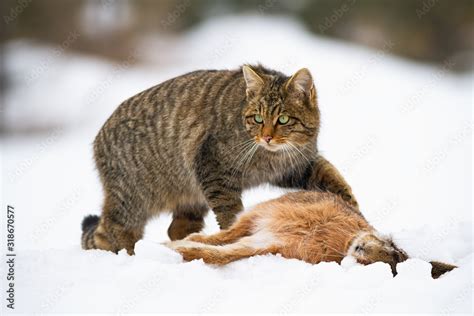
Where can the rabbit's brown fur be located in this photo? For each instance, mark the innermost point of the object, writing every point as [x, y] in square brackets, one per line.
[304, 225]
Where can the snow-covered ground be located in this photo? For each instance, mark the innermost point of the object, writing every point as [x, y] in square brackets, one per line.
[400, 132]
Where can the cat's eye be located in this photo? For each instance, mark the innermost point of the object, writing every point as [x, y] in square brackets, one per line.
[258, 118]
[283, 119]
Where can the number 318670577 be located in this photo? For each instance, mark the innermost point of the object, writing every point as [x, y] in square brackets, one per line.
[10, 228]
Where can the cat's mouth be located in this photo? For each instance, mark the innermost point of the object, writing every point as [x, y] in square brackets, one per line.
[271, 146]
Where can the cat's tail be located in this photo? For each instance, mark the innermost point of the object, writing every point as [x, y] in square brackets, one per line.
[89, 225]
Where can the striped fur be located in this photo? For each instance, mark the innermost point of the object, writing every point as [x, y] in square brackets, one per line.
[192, 143]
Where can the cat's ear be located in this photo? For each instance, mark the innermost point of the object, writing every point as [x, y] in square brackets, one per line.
[252, 79]
[302, 81]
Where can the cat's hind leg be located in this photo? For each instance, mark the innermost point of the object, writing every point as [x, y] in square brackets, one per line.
[187, 219]
[119, 227]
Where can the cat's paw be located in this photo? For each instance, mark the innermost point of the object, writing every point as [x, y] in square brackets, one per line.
[351, 200]
[225, 219]
[347, 196]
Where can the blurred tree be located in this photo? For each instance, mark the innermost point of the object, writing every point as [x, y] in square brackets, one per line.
[428, 30]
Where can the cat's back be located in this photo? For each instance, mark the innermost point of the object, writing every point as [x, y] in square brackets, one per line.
[168, 102]
[176, 112]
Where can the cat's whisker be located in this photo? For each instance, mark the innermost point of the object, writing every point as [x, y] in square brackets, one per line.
[296, 165]
[240, 156]
[236, 161]
[241, 147]
[247, 163]
[252, 151]
[299, 151]
[241, 144]
[287, 154]
[243, 157]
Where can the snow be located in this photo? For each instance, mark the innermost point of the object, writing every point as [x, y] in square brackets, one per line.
[400, 132]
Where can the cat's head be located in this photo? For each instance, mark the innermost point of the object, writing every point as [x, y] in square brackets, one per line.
[280, 111]
[368, 248]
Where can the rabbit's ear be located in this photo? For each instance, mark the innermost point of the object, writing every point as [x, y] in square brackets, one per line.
[439, 268]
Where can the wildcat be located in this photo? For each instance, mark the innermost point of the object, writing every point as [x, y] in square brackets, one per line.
[196, 141]
[310, 226]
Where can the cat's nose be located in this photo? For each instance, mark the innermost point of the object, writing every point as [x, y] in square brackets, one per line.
[267, 139]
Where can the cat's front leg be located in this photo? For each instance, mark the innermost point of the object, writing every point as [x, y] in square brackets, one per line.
[224, 202]
[221, 188]
[326, 177]
[223, 197]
